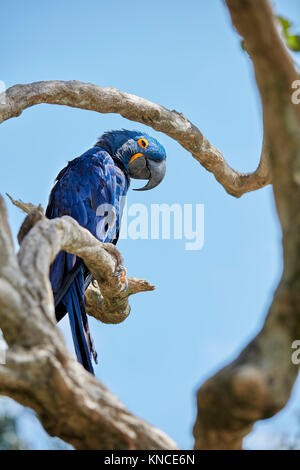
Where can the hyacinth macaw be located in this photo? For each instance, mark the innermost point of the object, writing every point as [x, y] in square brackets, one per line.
[99, 177]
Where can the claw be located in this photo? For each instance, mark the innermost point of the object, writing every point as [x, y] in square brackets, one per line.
[119, 271]
[122, 272]
[123, 275]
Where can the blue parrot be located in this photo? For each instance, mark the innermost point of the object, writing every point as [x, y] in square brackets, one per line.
[85, 190]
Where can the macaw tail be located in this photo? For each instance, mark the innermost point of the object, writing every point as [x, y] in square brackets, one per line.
[68, 290]
[74, 304]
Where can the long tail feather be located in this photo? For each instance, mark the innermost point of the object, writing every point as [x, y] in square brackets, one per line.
[74, 304]
[67, 282]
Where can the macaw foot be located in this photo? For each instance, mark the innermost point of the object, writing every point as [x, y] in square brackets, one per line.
[120, 269]
[123, 279]
[123, 276]
[122, 273]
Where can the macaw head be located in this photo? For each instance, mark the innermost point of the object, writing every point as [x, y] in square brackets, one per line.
[141, 155]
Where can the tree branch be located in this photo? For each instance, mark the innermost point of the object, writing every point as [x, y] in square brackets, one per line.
[259, 382]
[39, 371]
[48, 237]
[110, 100]
[116, 309]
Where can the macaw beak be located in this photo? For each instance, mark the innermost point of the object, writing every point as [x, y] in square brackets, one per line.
[146, 168]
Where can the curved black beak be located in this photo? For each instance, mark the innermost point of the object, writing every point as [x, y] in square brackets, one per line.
[145, 168]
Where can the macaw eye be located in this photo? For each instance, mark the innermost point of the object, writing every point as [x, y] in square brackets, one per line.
[143, 143]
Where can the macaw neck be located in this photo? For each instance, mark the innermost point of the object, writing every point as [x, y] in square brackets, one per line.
[119, 163]
[117, 160]
[118, 145]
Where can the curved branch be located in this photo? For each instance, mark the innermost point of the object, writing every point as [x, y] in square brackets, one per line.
[48, 237]
[110, 100]
[259, 382]
[97, 307]
[39, 371]
[109, 306]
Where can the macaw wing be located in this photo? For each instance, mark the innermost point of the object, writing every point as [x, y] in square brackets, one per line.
[88, 190]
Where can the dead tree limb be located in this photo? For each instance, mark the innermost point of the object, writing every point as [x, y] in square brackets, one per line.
[110, 100]
[39, 371]
[259, 382]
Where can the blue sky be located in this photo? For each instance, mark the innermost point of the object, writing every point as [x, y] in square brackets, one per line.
[209, 303]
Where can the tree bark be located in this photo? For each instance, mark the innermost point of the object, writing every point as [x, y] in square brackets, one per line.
[258, 383]
[39, 371]
[110, 100]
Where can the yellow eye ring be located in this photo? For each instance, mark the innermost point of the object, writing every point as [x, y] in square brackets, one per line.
[143, 143]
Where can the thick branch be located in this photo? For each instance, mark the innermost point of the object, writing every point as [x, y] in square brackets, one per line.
[97, 307]
[48, 237]
[40, 372]
[114, 310]
[110, 100]
[259, 382]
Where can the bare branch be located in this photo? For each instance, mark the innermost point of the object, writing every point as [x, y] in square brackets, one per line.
[48, 237]
[40, 371]
[26, 207]
[258, 383]
[110, 100]
[95, 302]
[72, 404]
[96, 306]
